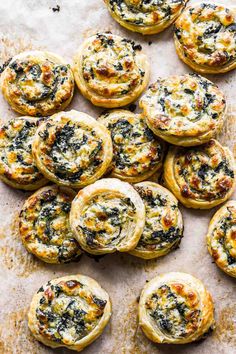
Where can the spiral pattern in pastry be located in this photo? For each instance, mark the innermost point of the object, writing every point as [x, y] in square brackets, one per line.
[37, 83]
[221, 238]
[200, 177]
[110, 71]
[175, 308]
[146, 17]
[163, 228]
[107, 216]
[137, 153]
[205, 38]
[70, 312]
[72, 149]
[184, 110]
[17, 166]
[44, 225]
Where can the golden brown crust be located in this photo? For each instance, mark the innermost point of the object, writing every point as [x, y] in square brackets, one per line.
[37, 83]
[146, 17]
[184, 110]
[72, 149]
[221, 238]
[70, 312]
[107, 216]
[175, 308]
[44, 225]
[201, 177]
[163, 228]
[205, 38]
[110, 71]
[17, 167]
[137, 153]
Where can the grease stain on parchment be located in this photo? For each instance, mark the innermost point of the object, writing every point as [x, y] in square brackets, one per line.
[226, 326]
[11, 45]
[13, 255]
[228, 135]
[15, 337]
[130, 334]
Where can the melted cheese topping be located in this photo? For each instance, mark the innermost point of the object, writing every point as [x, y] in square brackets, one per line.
[44, 225]
[175, 309]
[17, 166]
[72, 148]
[110, 70]
[68, 311]
[37, 83]
[207, 35]
[163, 224]
[145, 16]
[108, 216]
[137, 153]
[184, 107]
[222, 238]
[204, 173]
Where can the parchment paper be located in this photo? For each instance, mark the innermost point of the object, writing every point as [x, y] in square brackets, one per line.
[32, 24]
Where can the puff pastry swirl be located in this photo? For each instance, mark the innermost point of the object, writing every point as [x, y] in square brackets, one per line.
[205, 38]
[146, 17]
[137, 153]
[110, 71]
[163, 228]
[201, 177]
[37, 83]
[70, 312]
[44, 225]
[221, 238]
[184, 110]
[17, 167]
[72, 149]
[175, 308]
[107, 216]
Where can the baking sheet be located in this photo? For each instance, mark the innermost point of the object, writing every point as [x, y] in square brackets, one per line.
[32, 24]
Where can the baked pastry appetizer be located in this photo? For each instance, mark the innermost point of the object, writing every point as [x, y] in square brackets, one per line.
[201, 177]
[175, 308]
[69, 312]
[107, 216]
[205, 38]
[17, 167]
[146, 17]
[72, 149]
[44, 225]
[137, 153]
[163, 228]
[110, 71]
[37, 83]
[221, 238]
[184, 110]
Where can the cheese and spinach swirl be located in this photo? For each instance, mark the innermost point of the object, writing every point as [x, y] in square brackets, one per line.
[70, 312]
[72, 149]
[205, 38]
[184, 110]
[176, 308]
[163, 228]
[44, 225]
[110, 71]
[17, 166]
[137, 153]
[146, 17]
[37, 83]
[107, 216]
[221, 238]
[200, 177]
